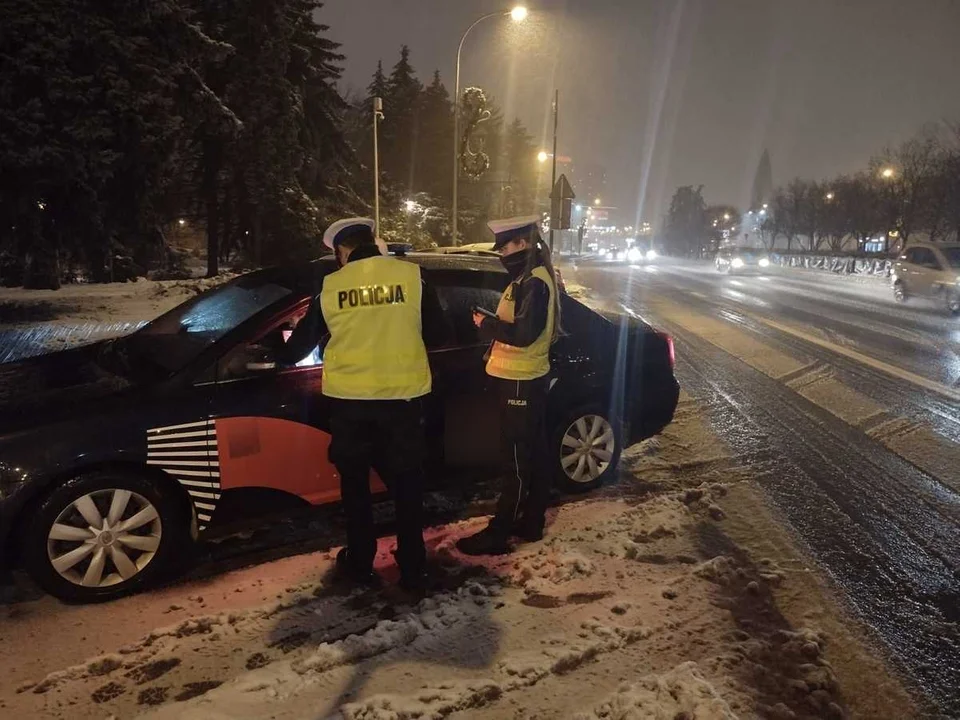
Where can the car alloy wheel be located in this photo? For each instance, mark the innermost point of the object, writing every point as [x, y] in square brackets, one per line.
[104, 537]
[105, 534]
[953, 302]
[588, 449]
[899, 291]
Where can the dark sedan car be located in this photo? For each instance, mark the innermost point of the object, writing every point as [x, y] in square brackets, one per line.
[115, 457]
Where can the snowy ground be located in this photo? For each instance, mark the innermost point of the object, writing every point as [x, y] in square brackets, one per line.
[37, 321]
[673, 594]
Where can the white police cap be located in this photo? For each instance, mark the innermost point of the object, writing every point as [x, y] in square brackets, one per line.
[526, 227]
[342, 229]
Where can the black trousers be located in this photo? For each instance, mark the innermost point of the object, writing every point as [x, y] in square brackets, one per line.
[525, 482]
[386, 435]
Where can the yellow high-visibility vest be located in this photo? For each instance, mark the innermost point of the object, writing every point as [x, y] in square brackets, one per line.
[523, 363]
[376, 350]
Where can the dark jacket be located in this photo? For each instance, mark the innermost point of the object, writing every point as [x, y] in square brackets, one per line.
[532, 305]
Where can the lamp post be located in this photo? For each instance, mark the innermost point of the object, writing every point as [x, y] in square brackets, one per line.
[518, 14]
[377, 117]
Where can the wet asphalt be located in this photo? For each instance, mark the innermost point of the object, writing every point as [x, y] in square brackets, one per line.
[886, 532]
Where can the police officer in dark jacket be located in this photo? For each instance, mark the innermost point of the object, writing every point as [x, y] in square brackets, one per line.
[527, 322]
[380, 316]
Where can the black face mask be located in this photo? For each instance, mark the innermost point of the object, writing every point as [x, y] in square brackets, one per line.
[517, 263]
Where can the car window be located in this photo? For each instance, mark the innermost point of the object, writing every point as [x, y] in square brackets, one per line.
[259, 356]
[178, 337]
[952, 255]
[458, 303]
[925, 258]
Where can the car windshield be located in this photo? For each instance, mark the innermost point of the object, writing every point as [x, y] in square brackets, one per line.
[173, 340]
[953, 256]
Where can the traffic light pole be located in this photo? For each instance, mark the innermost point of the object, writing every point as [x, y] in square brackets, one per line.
[553, 174]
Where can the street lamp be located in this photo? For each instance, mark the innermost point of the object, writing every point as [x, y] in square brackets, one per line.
[543, 156]
[517, 14]
[887, 173]
[830, 196]
[726, 216]
[597, 202]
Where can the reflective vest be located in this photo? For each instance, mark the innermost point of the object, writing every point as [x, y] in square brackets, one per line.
[523, 363]
[376, 350]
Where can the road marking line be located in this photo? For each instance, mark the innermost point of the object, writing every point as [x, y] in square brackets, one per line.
[896, 372]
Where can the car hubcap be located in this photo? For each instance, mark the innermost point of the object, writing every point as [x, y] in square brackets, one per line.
[587, 448]
[104, 538]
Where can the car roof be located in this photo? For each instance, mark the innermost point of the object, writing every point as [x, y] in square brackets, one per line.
[929, 244]
[309, 274]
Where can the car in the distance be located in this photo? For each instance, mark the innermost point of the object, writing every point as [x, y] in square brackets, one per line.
[732, 260]
[928, 270]
[115, 457]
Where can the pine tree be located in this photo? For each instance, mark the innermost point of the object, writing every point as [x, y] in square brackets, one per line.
[378, 86]
[95, 105]
[399, 139]
[520, 160]
[435, 156]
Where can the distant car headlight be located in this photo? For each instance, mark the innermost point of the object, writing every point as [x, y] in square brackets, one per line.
[737, 262]
[651, 254]
[764, 262]
[634, 255]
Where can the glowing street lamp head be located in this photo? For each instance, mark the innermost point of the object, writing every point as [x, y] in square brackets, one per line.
[597, 202]
[830, 196]
[542, 156]
[887, 173]
[726, 216]
[519, 13]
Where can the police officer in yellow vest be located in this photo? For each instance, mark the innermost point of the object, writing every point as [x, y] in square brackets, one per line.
[380, 316]
[526, 325]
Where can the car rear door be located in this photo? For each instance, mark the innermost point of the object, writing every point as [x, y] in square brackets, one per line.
[466, 407]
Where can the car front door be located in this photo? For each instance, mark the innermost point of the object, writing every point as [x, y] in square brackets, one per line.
[272, 425]
[927, 271]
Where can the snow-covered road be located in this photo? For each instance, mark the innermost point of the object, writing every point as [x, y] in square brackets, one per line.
[847, 407]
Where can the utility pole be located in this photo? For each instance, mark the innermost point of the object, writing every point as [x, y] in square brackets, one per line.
[553, 174]
[377, 117]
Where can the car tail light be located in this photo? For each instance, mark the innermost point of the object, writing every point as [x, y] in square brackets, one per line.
[670, 350]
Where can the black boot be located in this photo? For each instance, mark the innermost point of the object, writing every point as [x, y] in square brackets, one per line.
[489, 541]
[528, 531]
[345, 570]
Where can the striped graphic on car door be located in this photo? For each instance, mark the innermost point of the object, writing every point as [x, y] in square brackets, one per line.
[188, 452]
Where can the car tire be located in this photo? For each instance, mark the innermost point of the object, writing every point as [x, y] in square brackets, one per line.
[900, 294]
[585, 446]
[953, 302]
[155, 532]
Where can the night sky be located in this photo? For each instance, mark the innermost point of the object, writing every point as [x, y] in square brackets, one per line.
[669, 92]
